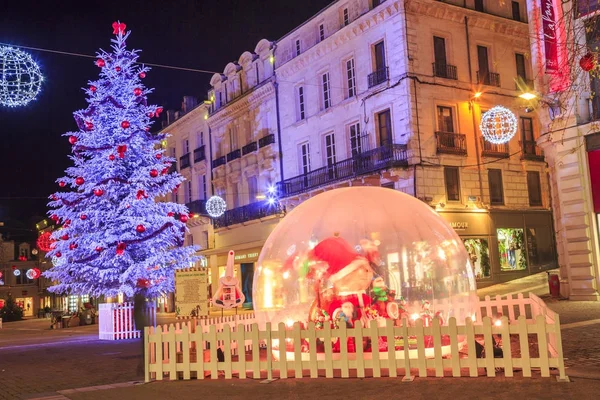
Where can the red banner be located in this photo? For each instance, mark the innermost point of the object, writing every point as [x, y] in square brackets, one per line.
[549, 30]
[594, 163]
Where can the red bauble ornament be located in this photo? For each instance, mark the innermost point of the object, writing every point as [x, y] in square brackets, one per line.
[158, 111]
[183, 218]
[73, 246]
[83, 217]
[147, 129]
[150, 114]
[587, 62]
[170, 214]
[45, 241]
[140, 228]
[54, 218]
[98, 192]
[99, 249]
[158, 156]
[191, 215]
[79, 180]
[72, 139]
[57, 254]
[61, 183]
[142, 74]
[93, 88]
[89, 126]
[164, 171]
[121, 248]
[53, 197]
[111, 157]
[143, 283]
[64, 237]
[176, 188]
[137, 91]
[141, 194]
[36, 273]
[118, 69]
[100, 63]
[153, 173]
[125, 124]
[67, 223]
[121, 149]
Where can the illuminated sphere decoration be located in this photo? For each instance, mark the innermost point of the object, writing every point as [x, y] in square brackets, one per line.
[498, 125]
[44, 242]
[216, 206]
[20, 77]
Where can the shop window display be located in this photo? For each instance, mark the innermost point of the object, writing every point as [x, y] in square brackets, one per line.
[479, 254]
[511, 246]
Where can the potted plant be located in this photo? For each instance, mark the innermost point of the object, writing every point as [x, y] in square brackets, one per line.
[47, 312]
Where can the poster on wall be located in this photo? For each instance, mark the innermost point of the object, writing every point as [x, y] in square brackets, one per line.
[191, 293]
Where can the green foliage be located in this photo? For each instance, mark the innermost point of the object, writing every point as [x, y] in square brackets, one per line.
[11, 311]
[485, 258]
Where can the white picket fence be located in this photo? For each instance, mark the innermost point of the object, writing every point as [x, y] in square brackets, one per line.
[183, 352]
[116, 320]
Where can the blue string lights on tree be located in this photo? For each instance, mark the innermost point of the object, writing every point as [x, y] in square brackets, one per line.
[20, 77]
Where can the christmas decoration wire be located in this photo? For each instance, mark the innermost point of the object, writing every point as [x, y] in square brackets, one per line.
[498, 125]
[216, 206]
[20, 77]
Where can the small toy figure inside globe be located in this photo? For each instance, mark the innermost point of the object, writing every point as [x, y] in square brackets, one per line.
[357, 254]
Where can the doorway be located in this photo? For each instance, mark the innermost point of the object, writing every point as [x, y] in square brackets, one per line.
[26, 303]
[247, 270]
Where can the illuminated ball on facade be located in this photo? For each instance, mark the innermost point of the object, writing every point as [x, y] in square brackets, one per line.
[20, 77]
[216, 206]
[498, 125]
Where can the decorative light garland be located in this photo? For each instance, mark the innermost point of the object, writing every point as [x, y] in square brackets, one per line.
[216, 206]
[20, 77]
[498, 125]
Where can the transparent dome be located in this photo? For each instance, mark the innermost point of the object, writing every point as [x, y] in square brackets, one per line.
[360, 253]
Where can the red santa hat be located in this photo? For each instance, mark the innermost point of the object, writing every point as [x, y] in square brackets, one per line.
[340, 257]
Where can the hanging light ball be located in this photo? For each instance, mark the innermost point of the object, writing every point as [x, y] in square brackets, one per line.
[44, 241]
[587, 62]
[216, 206]
[20, 77]
[498, 125]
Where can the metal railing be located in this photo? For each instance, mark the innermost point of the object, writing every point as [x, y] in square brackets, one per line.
[267, 140]
[451, 143]
[488, 78]
[184, 161]
[388, 156]
[247, 213]
[200, 154]
[197, 207]
[531, 151]
[494, 150]
[249, 148]
[234, 155]
[379, 76]
[217, 162]
[444, 71]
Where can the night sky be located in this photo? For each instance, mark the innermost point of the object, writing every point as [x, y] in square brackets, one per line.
[197, 34]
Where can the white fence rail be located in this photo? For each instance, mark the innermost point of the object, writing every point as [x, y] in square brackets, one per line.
[116, 320]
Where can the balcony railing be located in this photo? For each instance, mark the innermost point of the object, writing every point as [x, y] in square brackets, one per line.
[488, 78]
[451, 143]
[444, 71]
[378, 159]
[247, 213]
[249, 148]
[234, 155]
[267, 140]
[531, 151]
[197, 207]
[379, 76]
[493, 150]
[184, 161]
[217, 162]
[199, 154]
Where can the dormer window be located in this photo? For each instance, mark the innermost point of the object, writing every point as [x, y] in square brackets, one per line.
[298, 48]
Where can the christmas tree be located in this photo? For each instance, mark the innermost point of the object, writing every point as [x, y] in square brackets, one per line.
[115, 238]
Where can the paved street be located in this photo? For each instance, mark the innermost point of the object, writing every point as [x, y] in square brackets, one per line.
[36, 362]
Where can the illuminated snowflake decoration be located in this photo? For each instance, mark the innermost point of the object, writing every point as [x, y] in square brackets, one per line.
[20, 77]
[216, 206]
[30, 274]
[17, 272]
[498, 125]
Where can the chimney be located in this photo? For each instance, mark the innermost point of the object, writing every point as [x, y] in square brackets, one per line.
[188, 103]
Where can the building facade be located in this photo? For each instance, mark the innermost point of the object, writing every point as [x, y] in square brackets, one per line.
[569, 109]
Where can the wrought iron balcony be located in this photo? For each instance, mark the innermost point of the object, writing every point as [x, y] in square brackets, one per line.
[379, 76]
[493, 150]
[531, 151]
[200, 154]
[249, 148]
[247, 213]
[234, 155]
[184, 161]
[197, 207]
[451, 143]
[217, 162]
[371, 161]
[444, 71]
[488, 78]
[266, 140]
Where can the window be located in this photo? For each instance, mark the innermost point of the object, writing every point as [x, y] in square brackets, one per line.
[220, 99]
[479, 5]
[326, 91]
[190, 240]
[200, 139]
[346, 17]
[321, 32]
[384, 126]
[233, 145]
[187, 194]
[377, 2]
[527, 130]
[202, 187]
[235, 196]
[226, 98]
[534, 188]
[330, 154]
[355, 142]
[301, 106]
[379, 52]
[439, 53]
[257, 76]
[186, 146]
[445, 119]
[452, 183]
[22, 279]
[204, 244]
[512, 250]
[484, 65]
[479, 254]
[351, 78]
[304, 151]
[252, 189]
[520, 62]
[496, 188]
[389, 185]
[298, 48]
[516, 11]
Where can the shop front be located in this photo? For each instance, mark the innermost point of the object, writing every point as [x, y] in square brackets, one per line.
[245, 262]
[505, 245]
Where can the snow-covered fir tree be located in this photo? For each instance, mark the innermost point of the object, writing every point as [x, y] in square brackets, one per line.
[115, 237]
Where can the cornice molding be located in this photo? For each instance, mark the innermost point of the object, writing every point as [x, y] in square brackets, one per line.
[191, 117]
[244, 103]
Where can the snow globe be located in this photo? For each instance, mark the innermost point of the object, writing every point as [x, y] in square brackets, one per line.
[352, 255]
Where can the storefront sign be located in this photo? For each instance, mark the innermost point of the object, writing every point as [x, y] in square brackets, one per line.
[191, 293]
[245, 256]
[549, 30]
[459, 225]
[594, 163]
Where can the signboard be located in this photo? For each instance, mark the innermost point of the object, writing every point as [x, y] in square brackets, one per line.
[549, 31]
[191, 293]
